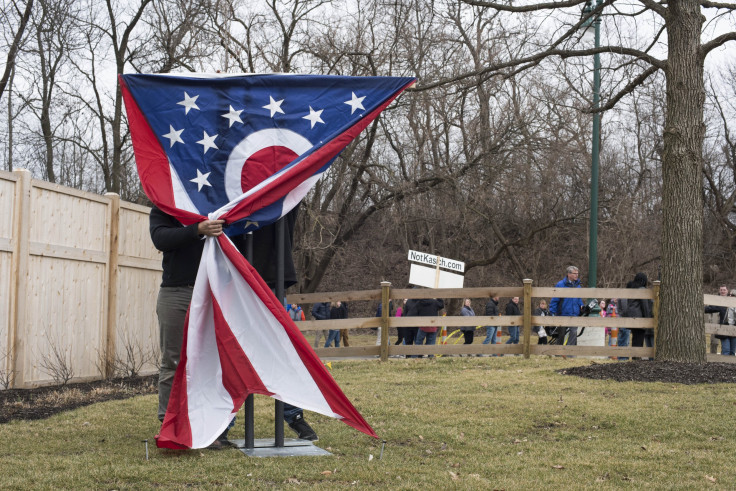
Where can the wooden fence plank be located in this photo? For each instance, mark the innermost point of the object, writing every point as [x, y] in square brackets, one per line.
[385, 317]
[350, 351]
[527, 317]
[140, 263]
[482, 292]
[720, 329]
[625, 322]
[109, 333]
[352, 323]
[605, 351]
[550, 292]
[19, 274]
[457, 349]
[712, 358]
[349, 296]
[70, 253]
[719, 301]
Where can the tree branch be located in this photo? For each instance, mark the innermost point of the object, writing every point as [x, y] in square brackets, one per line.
[628, 89]
[13, 51]
[717, 42]
[525, 8]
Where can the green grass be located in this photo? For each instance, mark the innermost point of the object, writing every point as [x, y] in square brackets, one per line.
[449, 423]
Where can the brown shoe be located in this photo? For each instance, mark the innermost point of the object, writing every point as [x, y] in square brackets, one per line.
[216, 445]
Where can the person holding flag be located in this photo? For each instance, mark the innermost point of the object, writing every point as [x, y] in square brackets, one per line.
[182, 250]
[238, 152]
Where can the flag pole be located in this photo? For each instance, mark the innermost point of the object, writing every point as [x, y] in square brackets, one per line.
[250, 441]
[279, 409]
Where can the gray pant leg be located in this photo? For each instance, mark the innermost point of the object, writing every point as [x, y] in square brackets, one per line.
[319, 335]
[572, 337]
[171, 308]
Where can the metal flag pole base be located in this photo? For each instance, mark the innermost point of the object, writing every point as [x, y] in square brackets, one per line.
[293, 447]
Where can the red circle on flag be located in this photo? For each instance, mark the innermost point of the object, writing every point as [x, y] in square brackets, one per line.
[264, 163]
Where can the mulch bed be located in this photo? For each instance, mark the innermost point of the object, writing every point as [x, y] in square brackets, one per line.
[42, 402]
[660, 371]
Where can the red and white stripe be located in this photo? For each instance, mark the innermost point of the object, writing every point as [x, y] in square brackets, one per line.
[239, 340]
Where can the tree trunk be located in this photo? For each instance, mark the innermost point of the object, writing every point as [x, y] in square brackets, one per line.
[116, 170]
[681, 323]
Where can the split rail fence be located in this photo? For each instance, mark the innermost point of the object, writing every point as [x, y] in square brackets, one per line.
[79, 278]
[526, 321]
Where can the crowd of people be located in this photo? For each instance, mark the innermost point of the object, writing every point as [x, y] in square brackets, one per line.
[726, 317]
[557, 306]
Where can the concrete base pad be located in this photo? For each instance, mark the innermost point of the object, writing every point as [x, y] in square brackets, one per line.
[293, 447]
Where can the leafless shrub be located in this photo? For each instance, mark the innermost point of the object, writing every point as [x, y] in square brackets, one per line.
[130, 362]
[134, 357]
[6, 374]
[105, 369]
[57, 363]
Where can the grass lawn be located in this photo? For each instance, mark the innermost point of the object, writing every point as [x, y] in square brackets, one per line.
[465, 423]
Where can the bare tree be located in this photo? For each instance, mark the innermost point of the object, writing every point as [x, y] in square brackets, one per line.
[8, 12]
[681, 318]
[234, 29]
[120, 34]
[720, 182]
[55, 33]
[176, 28]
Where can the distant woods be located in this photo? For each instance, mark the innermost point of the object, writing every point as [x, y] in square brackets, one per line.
[491, 168]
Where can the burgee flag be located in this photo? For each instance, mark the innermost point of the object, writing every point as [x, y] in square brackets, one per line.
[245, 149]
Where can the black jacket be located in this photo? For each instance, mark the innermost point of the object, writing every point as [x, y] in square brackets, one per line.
[182, 248]
[512, 308]
[264, 251]
[424, 307]
[639, 307]
[340, 312]
[722, 316]
[491, 307]
[712, 309]
[321, 311]
[540, 312]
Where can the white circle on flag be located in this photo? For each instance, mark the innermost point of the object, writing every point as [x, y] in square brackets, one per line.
[253, 143]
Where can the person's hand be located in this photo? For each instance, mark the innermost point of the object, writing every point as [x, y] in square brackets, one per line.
[211, 228]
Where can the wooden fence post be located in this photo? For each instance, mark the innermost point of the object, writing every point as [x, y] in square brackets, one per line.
[19, 274]
[655, 313]
[527, 318]
[385, 313]
[110, 331]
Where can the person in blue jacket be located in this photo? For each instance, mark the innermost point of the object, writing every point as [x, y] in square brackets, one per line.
[568, 307]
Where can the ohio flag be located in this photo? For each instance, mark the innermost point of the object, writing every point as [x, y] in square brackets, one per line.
[245, 149]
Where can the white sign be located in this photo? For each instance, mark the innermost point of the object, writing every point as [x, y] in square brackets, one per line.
[431, 259]
[424, 276]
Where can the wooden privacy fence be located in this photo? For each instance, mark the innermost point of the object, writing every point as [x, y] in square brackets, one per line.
[79, 278]
[526, 321]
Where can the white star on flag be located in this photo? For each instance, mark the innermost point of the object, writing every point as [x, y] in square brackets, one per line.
[274, 106]
[355, 103]
[174, 136]
[208, 142]
[189, 103]
[201, 180]
[233, 116]
[314, 116]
